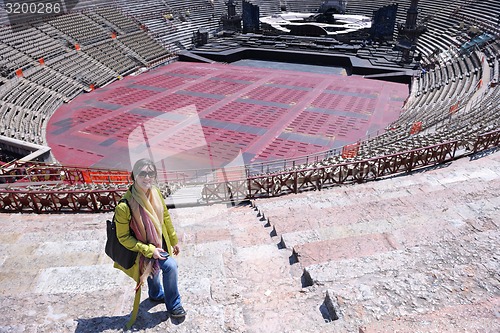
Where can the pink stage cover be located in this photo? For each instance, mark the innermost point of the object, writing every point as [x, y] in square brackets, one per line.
[206, 115]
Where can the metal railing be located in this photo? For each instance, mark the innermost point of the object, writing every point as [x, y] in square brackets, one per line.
[317, 178]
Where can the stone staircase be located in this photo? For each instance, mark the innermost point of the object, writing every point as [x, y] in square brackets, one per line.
[411, 253]
[248, 282]
[55, 277]
[416, 253]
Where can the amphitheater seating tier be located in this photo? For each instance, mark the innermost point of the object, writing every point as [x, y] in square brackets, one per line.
[111, 54]
[31, 41]
[78, 66]
[146, 47]
[366, 252]
[63, 57]
[80, 28]
[356, 242]
[125, 24]
[66, 71]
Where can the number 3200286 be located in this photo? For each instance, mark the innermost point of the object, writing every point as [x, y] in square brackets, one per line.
[42, 7]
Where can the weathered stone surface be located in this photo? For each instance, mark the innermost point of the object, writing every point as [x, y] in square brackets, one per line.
[417, 253]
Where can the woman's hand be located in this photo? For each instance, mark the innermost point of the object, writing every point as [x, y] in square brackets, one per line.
[177, 249]
[157, 253]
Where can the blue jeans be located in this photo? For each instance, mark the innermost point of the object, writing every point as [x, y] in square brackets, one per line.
[167, 290]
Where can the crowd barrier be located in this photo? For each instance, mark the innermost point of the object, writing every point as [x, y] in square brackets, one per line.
[317, 178]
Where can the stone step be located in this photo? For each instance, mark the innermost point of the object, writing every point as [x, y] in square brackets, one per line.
[247, 229]
[292, 223]
[326, 244]
[245, 265]
[406, 230]
[185, 197]
[403, 213]
[414, 281]
[199, 225]
[428, 265]
[238, 226]
[475, 317]
[345, 248]
[258, 279]
[188, 216]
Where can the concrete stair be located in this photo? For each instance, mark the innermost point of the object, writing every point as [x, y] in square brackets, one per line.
[243, 271]
[55, 277]
[390, 253]
[405, 287]
[413, 253]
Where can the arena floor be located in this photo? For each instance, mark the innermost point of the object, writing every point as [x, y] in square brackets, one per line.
[206, 115]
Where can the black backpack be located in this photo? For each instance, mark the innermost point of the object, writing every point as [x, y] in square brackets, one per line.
[114, 249]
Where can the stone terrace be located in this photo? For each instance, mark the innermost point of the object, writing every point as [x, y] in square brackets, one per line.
[415, 253]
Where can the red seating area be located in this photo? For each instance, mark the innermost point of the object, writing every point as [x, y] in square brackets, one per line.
[280, 148]
[269, 93]
[176, 102]
[126, 96]
[250, 114]
[265, 114]
[164, 81]
[216, 87]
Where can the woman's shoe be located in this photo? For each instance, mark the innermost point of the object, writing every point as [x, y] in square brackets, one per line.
[178, 312]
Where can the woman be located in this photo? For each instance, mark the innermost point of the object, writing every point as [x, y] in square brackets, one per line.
[155, 239]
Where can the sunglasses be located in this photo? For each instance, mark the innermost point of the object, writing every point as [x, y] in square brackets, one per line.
[150, 174]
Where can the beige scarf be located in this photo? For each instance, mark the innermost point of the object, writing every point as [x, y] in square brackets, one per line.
[147, 219]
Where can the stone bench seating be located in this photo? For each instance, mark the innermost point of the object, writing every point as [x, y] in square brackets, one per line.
[80, 28]
[16, 92]
[457, 69]
[430, 96]
[496, 47]
[452, 75]
[439, 77]
[422, 99]
[12, 59]
[445, 91]
[474, 63]
[84, 69]
[429, 45]
[31, 95]
[64, 73]
[7, 112]
[330, 221]
[112, 55]
[164, 30]
[57, 82]
[118, 19]
[464, 66]
[452, 90]
[27, 103]
[470, 83]
[144, 45]
[146, 9]
[496, 71]
[438, 95]
[462, 87]
[187, 19]
[489, 53]
[479, 13]
[31, 42]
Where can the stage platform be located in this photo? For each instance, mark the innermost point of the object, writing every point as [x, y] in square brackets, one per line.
[207, 115]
